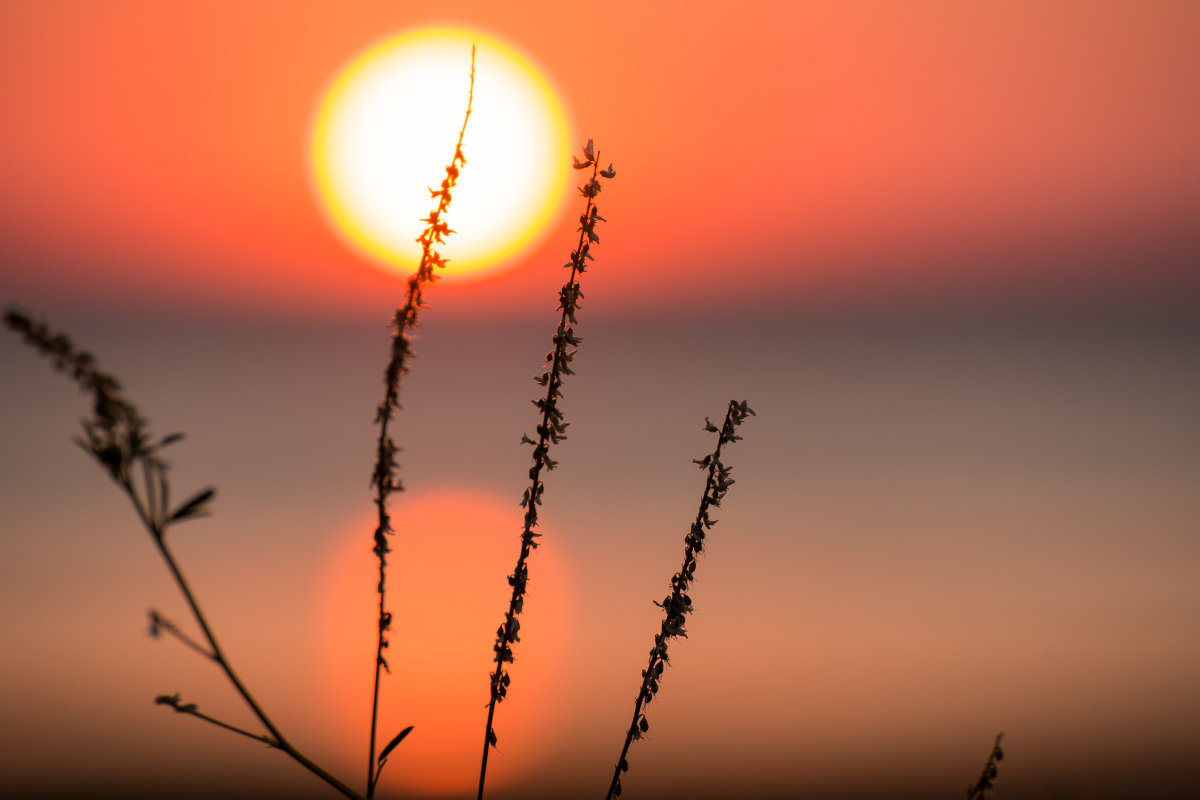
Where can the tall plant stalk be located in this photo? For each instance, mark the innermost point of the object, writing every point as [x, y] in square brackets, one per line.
[117, 437]
[551, 430]
[677, 605]
[987, 778]
[384, 479]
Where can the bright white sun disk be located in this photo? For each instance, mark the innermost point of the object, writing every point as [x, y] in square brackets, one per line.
[386, 130]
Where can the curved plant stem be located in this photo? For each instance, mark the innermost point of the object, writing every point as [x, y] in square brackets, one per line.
[157, 529]
[190, 708]
[384, 477]
[677, 605]
[219, 656]
[987, 778]
[116, 436]
[550, 431]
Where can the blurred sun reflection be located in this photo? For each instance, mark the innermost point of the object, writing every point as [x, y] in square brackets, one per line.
[447, 593]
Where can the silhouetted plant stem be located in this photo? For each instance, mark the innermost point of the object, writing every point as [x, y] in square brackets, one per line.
[978, 790]
[276, 738]
[384, 476]
[677, 605]
[551, 430]
[116, 436]
[159, 623]
[174, 701]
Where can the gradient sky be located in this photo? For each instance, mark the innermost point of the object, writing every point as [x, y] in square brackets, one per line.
[156, 153]
[947, 251]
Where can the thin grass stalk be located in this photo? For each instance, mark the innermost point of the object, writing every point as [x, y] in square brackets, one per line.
[176, 702]
[116, 436]
[677, 605]
[551, 430]
[987, 778]
[384, 476]
[218, 655]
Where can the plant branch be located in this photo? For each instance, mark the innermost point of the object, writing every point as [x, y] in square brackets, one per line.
[219, 656]
[977, 790]
[190, 708]
[551, 430]
[117, 438]
[677, 605]
[384, 476]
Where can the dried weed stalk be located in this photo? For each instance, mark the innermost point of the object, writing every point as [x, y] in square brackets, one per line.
[384, 479]
[117, 437]
[677, 605]
[978, 790]
[551, 430]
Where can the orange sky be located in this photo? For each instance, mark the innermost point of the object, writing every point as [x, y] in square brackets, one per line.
[155, 152]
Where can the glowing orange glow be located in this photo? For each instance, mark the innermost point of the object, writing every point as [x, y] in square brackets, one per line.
[447, 593]
[386, 129]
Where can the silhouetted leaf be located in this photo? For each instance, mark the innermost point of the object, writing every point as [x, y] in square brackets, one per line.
[392, 744]
[194, 506]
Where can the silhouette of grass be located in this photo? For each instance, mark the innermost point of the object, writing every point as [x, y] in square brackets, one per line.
[384, 476]
[677, 605]
[551, 430]
[116, 435]
[979, 789]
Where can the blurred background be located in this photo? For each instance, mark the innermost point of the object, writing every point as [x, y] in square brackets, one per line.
[948, 253]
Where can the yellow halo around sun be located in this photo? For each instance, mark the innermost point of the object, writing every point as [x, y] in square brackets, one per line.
[385, 131]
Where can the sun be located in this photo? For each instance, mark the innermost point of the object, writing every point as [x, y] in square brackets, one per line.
[386, 128]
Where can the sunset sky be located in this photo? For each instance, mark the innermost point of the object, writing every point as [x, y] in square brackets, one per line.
[949, 252]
